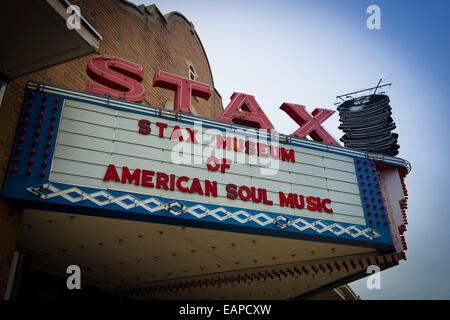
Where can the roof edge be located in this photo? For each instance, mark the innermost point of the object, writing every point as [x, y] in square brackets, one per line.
[149, 13]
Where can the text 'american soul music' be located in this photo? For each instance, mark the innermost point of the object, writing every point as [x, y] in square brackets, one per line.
[209, 188]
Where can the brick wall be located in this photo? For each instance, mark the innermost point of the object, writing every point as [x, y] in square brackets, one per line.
[135, 34]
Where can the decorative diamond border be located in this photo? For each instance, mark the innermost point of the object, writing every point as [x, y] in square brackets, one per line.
[177, 208]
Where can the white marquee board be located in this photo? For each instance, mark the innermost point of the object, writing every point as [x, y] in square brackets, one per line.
[91, 137]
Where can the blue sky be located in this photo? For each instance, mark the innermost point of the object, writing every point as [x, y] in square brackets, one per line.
[307, 52]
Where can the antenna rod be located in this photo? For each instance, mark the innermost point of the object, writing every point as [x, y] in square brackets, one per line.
[384, 85]
[377, 86]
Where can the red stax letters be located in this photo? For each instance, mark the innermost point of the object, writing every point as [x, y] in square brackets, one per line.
[309, 125]
[244, 110]
[184, 90]
[119, 78]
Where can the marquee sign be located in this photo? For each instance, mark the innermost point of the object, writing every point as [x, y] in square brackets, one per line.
[79, 152]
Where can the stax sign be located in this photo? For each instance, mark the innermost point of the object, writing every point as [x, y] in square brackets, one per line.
[121, 79]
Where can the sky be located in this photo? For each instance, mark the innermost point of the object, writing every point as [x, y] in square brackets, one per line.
[308, 52]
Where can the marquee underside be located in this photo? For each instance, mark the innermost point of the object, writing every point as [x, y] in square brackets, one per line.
[159, 261]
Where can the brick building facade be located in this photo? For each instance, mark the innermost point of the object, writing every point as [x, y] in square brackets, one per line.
[139, 34]
[172, 244]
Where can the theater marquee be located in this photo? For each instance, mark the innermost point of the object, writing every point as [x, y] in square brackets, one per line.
[78, 152]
